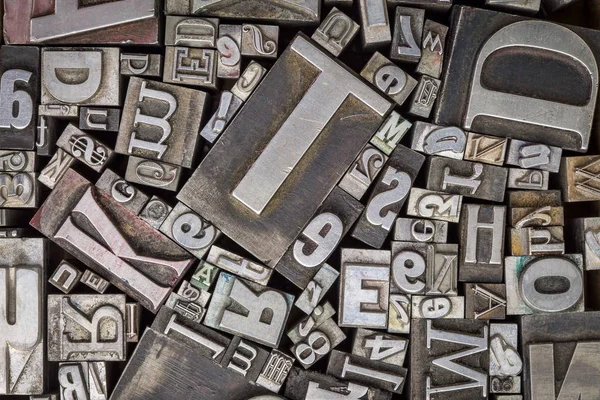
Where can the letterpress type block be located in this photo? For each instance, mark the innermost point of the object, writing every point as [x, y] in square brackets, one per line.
[408, 33]
[389, 78]
[335, 32]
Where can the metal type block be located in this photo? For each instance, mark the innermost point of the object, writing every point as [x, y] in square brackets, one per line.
[527, 198]
[442, 269]
[153, 173]
[58, 165]
[150, 130]
[245, 358]
[485, 300]
[420, 230]
[367, 372]
[482, 243]
[155, 212]
[86, 327]
[263, 200]
[560, 355]
[248, 81]
[375, 24]
[45, 144]
[449, 359]
[22, 316]
[424, 96]
[65, 277]
[320, 314]
[275, 371]
[434, 205]
[537, 241]
[408, 34]
[445, 141]
[316, 289]
[318, 343]
[364, 288]
[76, 217]
[85, 148]
[94, 281]
[580, 178]
[238, 265]
[7, 233]
[408, 269]
[399, 313]
[189, 230]
[389, 78]
[534, 156]
[59, 111]
[390, 133]
[379, 346]
[500, 78]
[190, 66]
[388, 196]
[81, 22]
[232, 295]
[193, 310]
[191, 32]
[44, 397]
[319, 238]
[204, 276]
[509, 397]
[530, 7]
[528, 179]
[548, 284]
[99, 119]
[504, 356]
[552, 6]
[363, 171]
[479, 181]
[18, 190]
[522, 217]
[141, 64]
[260, 40]
[486, 149]
[84, 380]
[64, 67]
[229, 104]
[122, 191]
[431, 5]
[191, 293]
[336, 32]
[302, 384]
[195, 336]
[587, 241]
[12, 217]
[504, 384]
[229, 47]
[435, 307]
[169, 368]
[19, 77]
[433, 48]
[17, 161]
[132, 316]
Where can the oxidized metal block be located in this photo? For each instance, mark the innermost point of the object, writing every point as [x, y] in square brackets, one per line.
[485, 300]
[480, 181]
[229, 104]
[518, 6]
[442, 269]
[84, 380]
[498, 79]
[526, 198]
[190, 66]
[260, 40]
[424, 96]
[136, 64]
[449, 359]
[111, 240]
[99, 119]
[22, 316]
[389, 78]
[534, 155]
[85, 148]
[45, 144]
[335, 32]
[388, 196]
[153, 173]
[65, 277]
[505, 360]
[399, 313]
[434, 44]
[375, 24]
[249, 80]
[19, 76]
[364, 288]
[59, 111]
[161, 122]
[318, 343]
[528, 179]
[189, 230]
[81, 22]
[62, 71]
[94, 281]
[239, 265]
[306, 325]
[431, 139]
[275, 371]
[316, 289]
[580, 178]
[319, 238]
[408, 34]
[547, 284]
[229, 47]
[435, 307]
[587, 241]
[434, 205]
[191, 32]
[431, 5]
[86, 327]
[245, 358]
[482, 243]
[409, 262]
[205, 275]
[122, 191]
[155, 212]
[58, 165]
[390, 133]
[537, 241]
[377, 346]
[486, 149]
[232, 295]
[263, 200]
[420, 230]
[522, 217]
[17, 161]
[18, 190]
[132, 328]
[363, 171]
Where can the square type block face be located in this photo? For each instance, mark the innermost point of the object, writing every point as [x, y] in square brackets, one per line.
[499, 78]
[266, 177]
